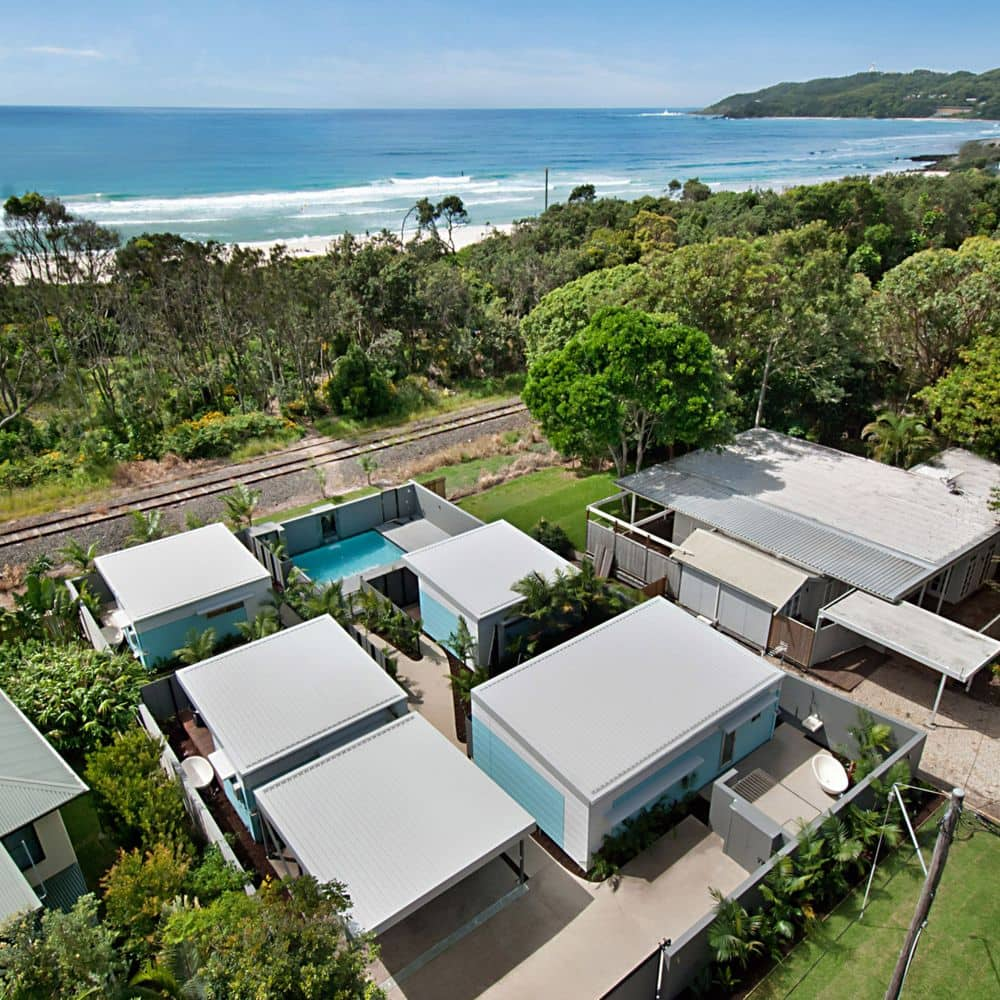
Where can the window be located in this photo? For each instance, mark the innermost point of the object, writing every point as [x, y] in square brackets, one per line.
[225, 610]
[24, 847]
[728, 747]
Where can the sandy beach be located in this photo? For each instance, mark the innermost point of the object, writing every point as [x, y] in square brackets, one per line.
[315, 246]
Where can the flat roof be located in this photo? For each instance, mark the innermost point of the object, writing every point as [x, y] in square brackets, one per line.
[962, 472]
[879, 528]
[270, 697]
[477, 568]
[749, 570]
[603, 706]
[936, 642]
[398, 816]
[16, 896]
[34, 779]
[178, 570]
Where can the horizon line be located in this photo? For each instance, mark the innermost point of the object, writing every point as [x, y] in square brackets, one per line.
[290, 107]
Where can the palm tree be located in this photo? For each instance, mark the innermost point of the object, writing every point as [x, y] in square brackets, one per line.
[197, 646]
[329, 601]
[147, 526]
[897, 438]
[264, 624]
[734, 934]
[240, 504]
[81, 558]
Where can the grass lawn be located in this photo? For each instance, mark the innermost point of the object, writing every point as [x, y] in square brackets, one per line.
[95, 850]
[958, 953]
[558, 495]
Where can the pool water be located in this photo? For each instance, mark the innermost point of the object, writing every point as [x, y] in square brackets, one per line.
[347, 557]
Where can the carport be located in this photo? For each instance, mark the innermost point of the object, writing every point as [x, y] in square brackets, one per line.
[939, 643]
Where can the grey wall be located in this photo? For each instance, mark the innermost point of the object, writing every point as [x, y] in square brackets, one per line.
[400, 586]
[639, 984]
[749, 836]
[441, 512]
[831, 640]
[634, 563]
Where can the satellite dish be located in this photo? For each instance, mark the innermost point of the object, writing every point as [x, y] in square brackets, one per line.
[198, 771]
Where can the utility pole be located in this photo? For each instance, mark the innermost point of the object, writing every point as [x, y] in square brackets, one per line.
[546, 189]
[919, 920]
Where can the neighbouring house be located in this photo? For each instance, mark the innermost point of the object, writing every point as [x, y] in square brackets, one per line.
[760, 536]
[361, 540]
[38, 865]
[650, 706]
[471, 575]
[153, 595]
[275, 704]
[399, 816]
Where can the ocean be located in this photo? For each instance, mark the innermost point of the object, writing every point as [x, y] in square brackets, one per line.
[246, 175]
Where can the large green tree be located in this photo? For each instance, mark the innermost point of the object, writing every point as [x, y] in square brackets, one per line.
[629, 380]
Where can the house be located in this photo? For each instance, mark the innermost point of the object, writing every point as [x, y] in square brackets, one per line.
[807, 524]
[275, 704]
[399, 816]
[154, 594]
[471, 575]
[38, 865]
[650, 706]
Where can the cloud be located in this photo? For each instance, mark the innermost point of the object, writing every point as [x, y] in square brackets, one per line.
[60, 50]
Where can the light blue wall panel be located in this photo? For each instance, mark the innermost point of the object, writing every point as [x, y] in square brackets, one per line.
[520, 780]
[438, 621]
[159, 643]
[241, 810]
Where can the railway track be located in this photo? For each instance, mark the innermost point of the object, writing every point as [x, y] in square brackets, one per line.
[291, 460]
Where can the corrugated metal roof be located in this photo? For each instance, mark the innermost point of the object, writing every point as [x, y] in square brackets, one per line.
[34, 779]
[880, 529]
[748, 570]
[269, 697]
[179, 570]
[614, 700]
[398, 816]
[16, 895]
[921, 635]
[477, 568]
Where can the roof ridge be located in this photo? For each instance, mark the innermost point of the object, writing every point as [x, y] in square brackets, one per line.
[42, 783]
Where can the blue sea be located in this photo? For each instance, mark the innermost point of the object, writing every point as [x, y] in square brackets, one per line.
[245, 175]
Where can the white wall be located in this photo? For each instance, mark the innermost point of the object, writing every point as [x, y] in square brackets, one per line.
[56, 846]
[684, 525]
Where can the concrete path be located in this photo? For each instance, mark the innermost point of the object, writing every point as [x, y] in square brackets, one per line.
[426, 682]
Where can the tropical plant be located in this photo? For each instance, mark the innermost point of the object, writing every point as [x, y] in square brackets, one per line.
[899, 439]
[197, 646]
[368, 464]
[135, 796]
[77, 697]
[734, 934]
[635, 834]
[554, 537]
[312, 602]
[462, 644]
[147, 526]
[81, 557]
[264, 623]
[240, 504]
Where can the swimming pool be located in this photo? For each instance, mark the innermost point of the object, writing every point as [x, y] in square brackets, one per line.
[347, 557]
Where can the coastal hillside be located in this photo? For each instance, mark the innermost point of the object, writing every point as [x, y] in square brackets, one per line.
[920, 94]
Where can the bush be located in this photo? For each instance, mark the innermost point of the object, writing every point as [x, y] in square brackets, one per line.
[553, 537]
[634, 835]
[217, 434]
[214, 876]
[135, 796]
[136, 889]
[31, 471]
[77, 697]
[357, 388]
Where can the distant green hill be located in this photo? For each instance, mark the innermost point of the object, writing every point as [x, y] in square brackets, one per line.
[919, 94]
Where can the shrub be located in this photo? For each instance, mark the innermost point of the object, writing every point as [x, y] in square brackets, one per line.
[78, 698]
[554, 537]
[213, 876]
[135, 796]
[357, 388]
[217, 434]
[634, 835]
[31, 471]
[136, 888]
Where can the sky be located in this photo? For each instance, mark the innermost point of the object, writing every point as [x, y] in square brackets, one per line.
[445, 54]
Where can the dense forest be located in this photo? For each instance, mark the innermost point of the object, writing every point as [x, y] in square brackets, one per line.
[871, 95]
[825, 306]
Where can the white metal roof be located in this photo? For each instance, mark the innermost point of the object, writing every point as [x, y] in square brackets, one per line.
[882, 529]
[603, 706]
[277, 694]
[399, 816]
[34, 779]
[742, 567]
[16, 896]
[477, 568]
[921, 635]
[179, 570]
